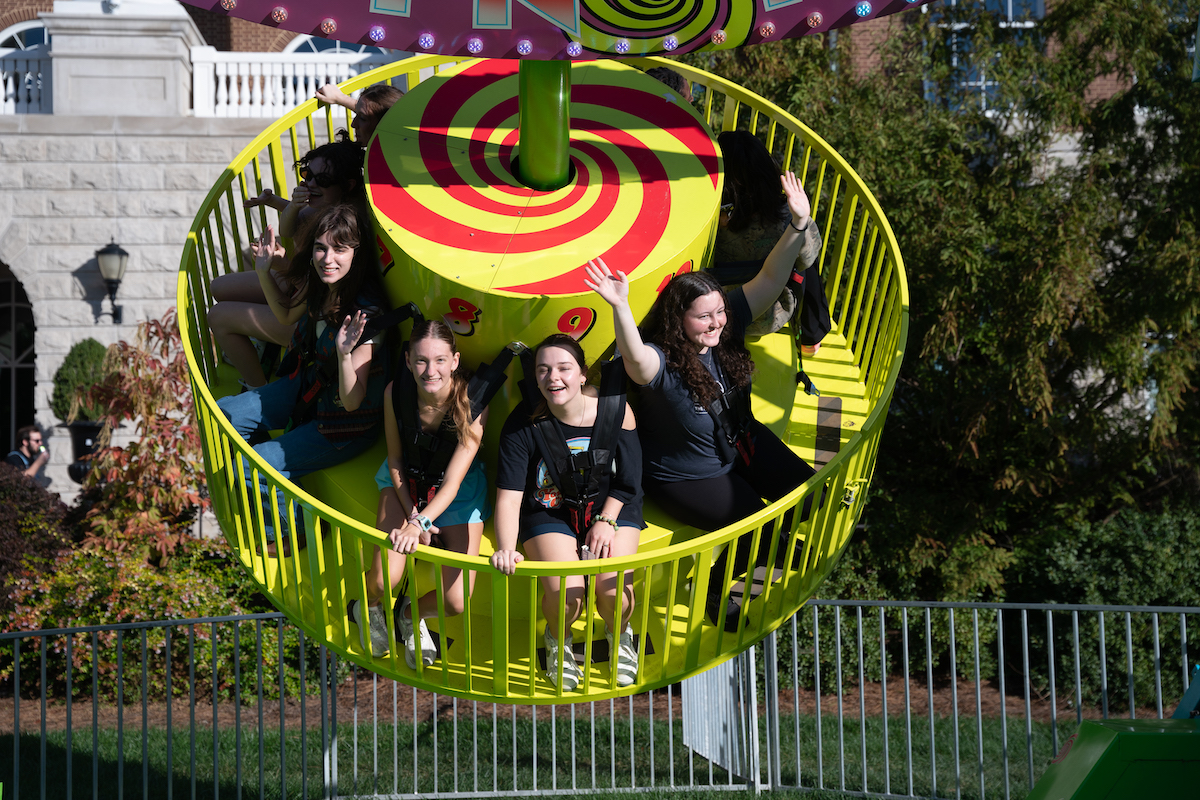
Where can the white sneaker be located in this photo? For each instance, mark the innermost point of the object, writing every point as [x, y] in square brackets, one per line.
[428, 649]
[623, 655]
[571, 675]
[376, 624]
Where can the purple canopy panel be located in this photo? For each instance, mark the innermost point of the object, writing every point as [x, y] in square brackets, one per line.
[546, 29]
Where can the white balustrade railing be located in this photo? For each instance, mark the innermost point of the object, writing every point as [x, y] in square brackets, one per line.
[269, 84]
[25, 78]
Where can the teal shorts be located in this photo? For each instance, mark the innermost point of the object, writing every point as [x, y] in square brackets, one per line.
[470, 504]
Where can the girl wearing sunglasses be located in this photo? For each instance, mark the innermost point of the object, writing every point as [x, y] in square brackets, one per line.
[330, 175]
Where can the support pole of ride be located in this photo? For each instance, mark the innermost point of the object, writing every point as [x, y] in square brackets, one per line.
[545, 127]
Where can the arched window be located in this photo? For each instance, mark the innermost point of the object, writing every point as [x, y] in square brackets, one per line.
[16, 358]
[24, 35]
[314, 44]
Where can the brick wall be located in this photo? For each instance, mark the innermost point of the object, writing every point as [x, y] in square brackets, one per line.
[231, 34]
[14, 11]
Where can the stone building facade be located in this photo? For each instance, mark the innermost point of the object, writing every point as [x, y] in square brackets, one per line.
[122, 156]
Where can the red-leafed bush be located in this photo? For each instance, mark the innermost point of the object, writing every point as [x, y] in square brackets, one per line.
[145, 495]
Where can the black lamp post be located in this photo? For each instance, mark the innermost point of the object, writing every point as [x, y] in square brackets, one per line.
[113, 260]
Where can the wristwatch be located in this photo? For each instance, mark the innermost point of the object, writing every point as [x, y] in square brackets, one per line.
[423, 522]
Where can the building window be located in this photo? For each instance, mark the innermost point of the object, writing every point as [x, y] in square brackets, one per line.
[23, 36]
[16, 359]
[313, 44]
[971, 82]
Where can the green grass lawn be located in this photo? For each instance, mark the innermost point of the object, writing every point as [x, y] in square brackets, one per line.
[535, 759]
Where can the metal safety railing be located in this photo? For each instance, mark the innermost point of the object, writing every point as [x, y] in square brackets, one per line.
[946, 700]
[496, 647]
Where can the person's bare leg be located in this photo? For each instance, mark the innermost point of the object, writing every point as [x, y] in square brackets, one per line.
[557, 547]
[241, 286]
[626, 543]
[389, 516]
[459, 539]
[233, 323]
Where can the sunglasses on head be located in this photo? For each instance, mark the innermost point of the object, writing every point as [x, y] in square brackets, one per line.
[322, 179]
[727, 208]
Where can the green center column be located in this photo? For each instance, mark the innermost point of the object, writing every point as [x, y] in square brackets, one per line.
[544, 93]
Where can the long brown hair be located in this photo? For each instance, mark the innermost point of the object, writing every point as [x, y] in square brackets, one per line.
[664, 326]
[344, 226]
[460, 402]
[571, 346]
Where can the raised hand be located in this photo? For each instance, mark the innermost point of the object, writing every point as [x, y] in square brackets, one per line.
[301, 195]
[266, 250]
[331, 94]
[613, 288]
[796, 198]
[350, 332]
[267, 198]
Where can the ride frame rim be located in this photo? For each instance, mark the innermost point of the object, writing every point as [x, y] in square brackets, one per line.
[834, 475]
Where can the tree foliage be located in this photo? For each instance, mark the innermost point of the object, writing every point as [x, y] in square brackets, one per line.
[1051, 246]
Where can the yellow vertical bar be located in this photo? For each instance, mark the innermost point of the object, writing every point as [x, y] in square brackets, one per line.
[501, 641]
[856, 307]
[845, 233]
[729, 123]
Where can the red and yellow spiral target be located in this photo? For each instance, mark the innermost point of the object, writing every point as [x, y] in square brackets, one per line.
[502, 262]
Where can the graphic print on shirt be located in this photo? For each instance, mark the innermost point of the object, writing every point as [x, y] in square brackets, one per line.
[546, 492]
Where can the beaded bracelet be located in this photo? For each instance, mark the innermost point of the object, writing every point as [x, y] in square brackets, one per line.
[609, 520]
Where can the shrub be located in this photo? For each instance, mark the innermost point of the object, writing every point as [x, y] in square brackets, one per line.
[82, 369]
[31, 527]
[146, 495]
[97, 587]
[1136, 558]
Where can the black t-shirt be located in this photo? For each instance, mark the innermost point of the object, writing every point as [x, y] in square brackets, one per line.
[521, 468]
[678, 435]
[17, 459]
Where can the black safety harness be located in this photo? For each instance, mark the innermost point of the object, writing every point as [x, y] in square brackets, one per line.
[580, 476]
[427, 455]
[733, 417]
[303, 360]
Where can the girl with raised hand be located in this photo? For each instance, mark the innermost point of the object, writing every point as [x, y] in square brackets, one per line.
[344, 380]
[372, 103]
[246, 306]
[432, 482]
[551, 523]
[708, 462]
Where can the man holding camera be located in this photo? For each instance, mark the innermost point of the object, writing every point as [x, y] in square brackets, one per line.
[31, 454]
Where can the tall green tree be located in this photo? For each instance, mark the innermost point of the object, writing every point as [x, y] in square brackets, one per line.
[1051, 245]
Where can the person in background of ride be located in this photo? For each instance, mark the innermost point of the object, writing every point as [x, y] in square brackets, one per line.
[673, 80]
[414, 503]
[31, 454]
[531, 510]
[754, 214]
[331, 175]
[372, 103]
[343, 380]
[708, 462]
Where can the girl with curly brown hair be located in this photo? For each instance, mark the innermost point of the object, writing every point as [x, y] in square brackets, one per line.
[694, 372]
